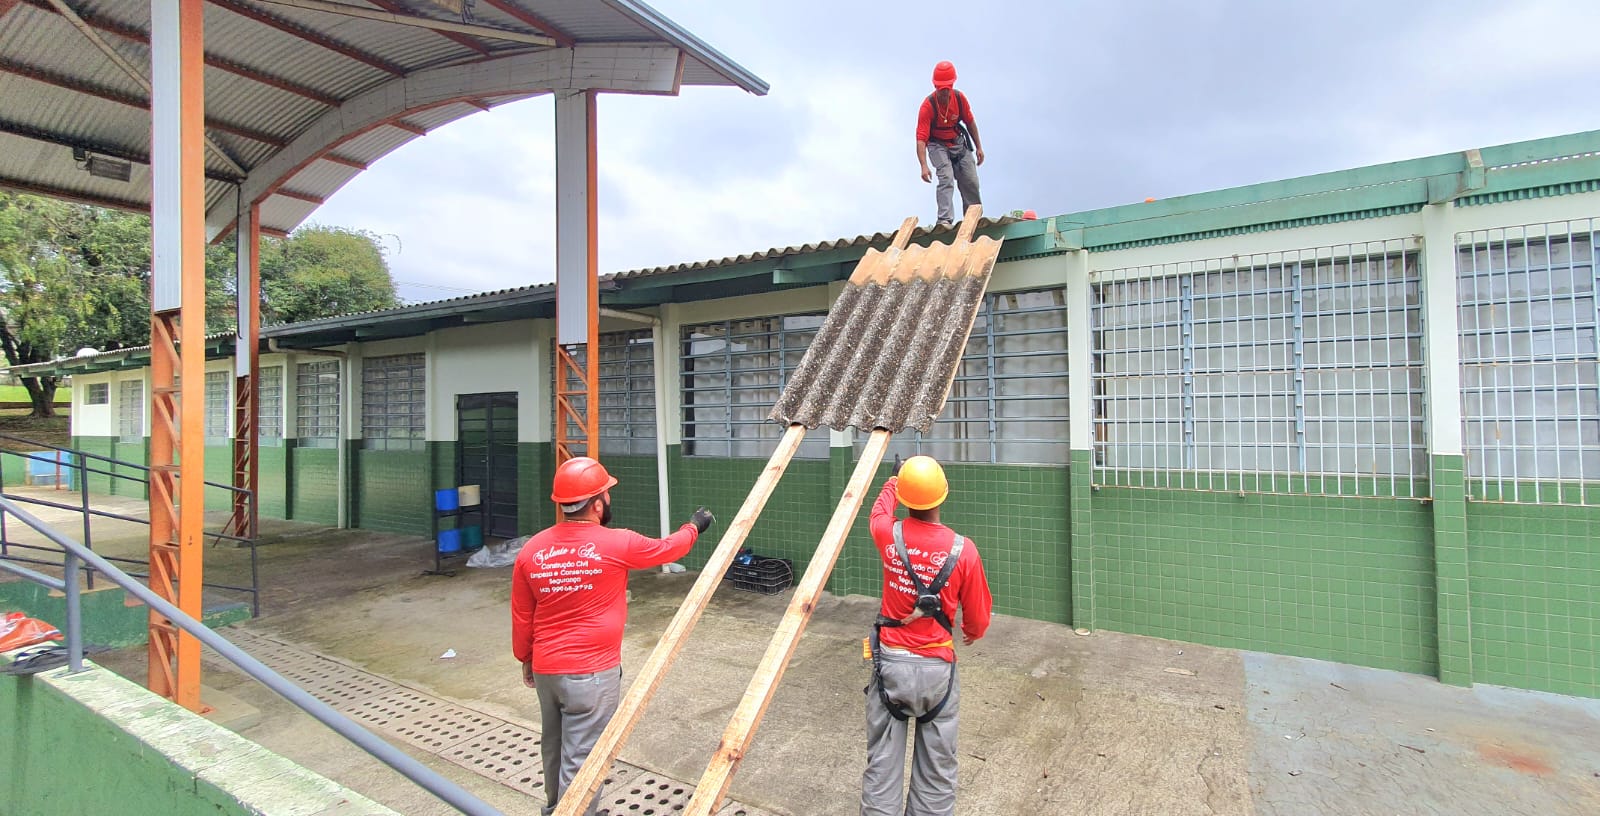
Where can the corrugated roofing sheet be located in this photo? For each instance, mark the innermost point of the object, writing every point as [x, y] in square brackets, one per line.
[888, 351]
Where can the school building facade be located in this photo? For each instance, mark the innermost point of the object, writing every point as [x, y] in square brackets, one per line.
[1353, 416]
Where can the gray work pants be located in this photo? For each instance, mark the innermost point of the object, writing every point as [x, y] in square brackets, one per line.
[573, 710]
[956, 167]
[917, 684]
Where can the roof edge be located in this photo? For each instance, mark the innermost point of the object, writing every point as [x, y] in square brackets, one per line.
[681, 37]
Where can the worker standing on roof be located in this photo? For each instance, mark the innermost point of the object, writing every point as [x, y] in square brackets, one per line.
[929, 572]
[947, 135]
[568, 607]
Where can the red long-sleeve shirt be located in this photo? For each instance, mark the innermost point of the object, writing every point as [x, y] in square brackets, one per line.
[569, 599]
[943, 127]
[928, 545]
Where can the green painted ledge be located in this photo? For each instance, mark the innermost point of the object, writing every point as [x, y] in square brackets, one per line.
[107, 619]
[149, 756]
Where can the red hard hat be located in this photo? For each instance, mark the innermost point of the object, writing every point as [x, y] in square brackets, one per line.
[944, 75]
[580, 479]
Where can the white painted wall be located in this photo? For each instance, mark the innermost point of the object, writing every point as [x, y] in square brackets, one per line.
[93, 420]
[491, 358]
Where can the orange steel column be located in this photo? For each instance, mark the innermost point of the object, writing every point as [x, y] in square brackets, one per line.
[246, 394]
[178, 345]
[567, 365]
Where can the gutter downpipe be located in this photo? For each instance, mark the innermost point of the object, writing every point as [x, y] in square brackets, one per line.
[658, 350]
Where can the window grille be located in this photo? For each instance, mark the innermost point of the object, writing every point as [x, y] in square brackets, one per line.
[394, 402]
[1530, 362]
[269, 406]
[216, 420]
[317, 404]
[733, 372]
[627, 394]
[97, 394]
[130, 411]
[1008, 403]
[1296, 371]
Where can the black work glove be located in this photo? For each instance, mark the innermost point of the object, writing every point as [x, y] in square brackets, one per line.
[896, 471]
[702, 519]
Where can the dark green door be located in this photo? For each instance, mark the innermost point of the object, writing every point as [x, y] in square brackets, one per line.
[486, 455]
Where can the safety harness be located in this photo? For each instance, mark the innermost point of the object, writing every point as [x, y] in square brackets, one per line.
[958, 104]
[928, 605]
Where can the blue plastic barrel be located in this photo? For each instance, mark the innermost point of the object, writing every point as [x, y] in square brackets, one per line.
[446, 499]
[449, 541]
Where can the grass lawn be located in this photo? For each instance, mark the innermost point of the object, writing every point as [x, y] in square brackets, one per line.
[17, 393]
[55, 430]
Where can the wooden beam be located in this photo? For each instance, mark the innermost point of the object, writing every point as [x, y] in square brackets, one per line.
[6, 6]
[300, 32]
[342, 160]
[299, 196]
[587, 783]
[528, 18]
[409, 128]
[76, 85]
[460, 39]
[741, 729]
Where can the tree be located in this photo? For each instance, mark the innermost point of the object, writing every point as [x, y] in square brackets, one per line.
[73, 276]
[321, 271]
[70, 276]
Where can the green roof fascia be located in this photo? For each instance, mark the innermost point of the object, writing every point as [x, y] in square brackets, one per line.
[458, 308]
[115, 360]
[1564, 177]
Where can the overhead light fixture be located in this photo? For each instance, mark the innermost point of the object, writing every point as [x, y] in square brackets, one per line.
[103, 166]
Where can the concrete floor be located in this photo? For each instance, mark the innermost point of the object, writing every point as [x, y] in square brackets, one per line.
[1052, 721]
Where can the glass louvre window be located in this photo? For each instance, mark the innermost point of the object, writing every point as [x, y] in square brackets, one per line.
[733, 372]
[394, 402]
[317, 404]
[216, 407]
[1008, 403]
[97, 394]
[627, 394]
[130, 411]
[1530, 362]
[1302, 362]
[269, 411]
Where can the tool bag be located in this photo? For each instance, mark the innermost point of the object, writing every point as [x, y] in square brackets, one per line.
[928, 605]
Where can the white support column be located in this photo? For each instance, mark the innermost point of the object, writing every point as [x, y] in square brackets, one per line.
[661, 347]
[670, 375]
[575, 239]
[349, 427]
[1441, 331]
[1080, 352]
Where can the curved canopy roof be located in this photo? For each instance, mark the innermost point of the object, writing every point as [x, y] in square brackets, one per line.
[301, 95]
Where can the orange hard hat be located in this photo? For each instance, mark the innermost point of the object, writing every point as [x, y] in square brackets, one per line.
[944, 75]
[580, 479]
[922, 484]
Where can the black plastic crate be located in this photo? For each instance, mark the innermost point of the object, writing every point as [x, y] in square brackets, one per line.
[767, 576]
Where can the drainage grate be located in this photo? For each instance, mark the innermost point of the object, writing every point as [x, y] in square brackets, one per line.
[423, 721]
[736, 809]
[509, 755]
[649, 795]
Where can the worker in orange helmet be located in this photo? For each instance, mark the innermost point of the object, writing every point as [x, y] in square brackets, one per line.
[929, 573]
[568, 606]
[947, 135]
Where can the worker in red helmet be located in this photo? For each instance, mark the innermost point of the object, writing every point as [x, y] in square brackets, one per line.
[931, 574]
[948, 137]
[568, 605]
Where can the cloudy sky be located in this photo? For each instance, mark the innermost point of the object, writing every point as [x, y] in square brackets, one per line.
[1081, 105]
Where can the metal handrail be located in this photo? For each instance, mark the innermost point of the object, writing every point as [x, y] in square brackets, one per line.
[451, 793]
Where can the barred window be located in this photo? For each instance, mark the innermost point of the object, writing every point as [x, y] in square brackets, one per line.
[1008, 403]
[130, 411]
[1530, 362]
[1226, 373]
[269, 406]
[394, 402]
[216, 408]
[627, 394]
[317, 404]
[97, 394]
[733, 372]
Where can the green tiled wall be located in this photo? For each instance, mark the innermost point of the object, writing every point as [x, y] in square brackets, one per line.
[99, 446]
[1535, 596]
[1080, 478]
[272, 481]
[636, 499]
[132, 453]
[314, 485]
[535, 461]
[388, 494]
[1016, 516]
[1349, 580]
[219, 470]
[1450, 570]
